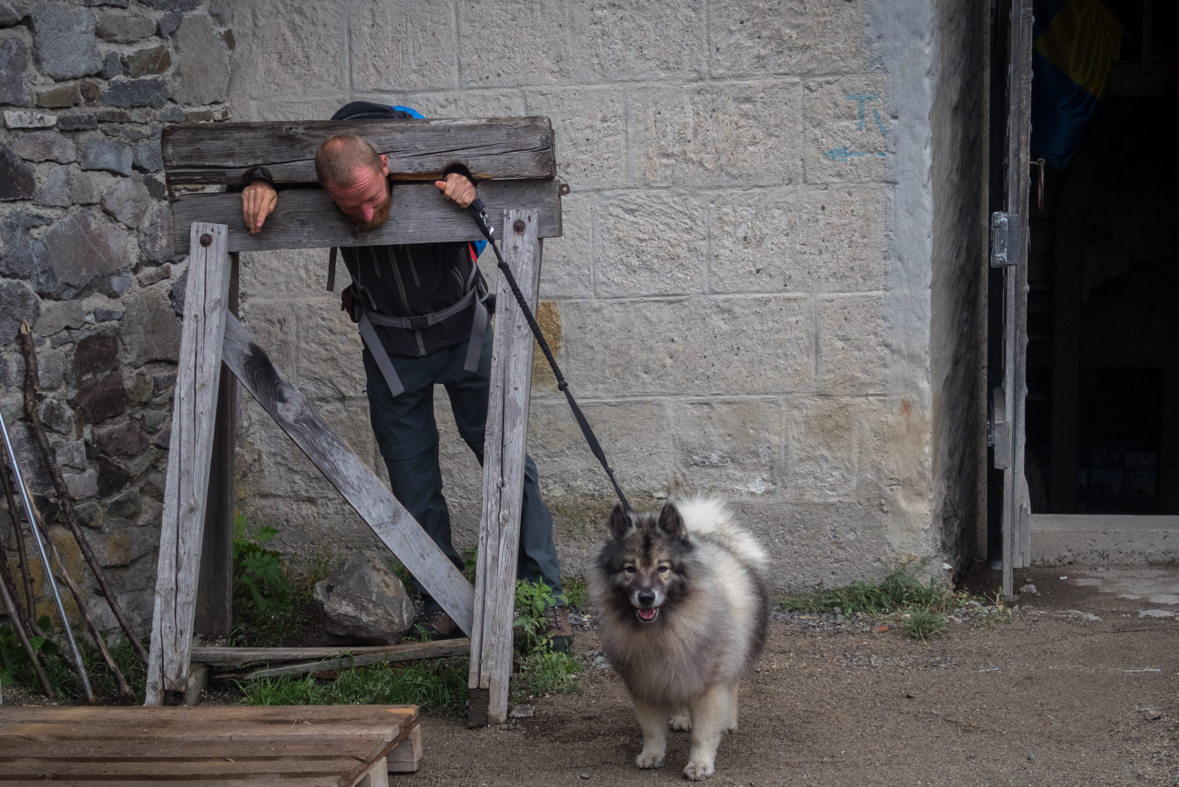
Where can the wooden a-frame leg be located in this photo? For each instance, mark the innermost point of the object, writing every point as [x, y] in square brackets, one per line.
[190, 452]
[503, 475]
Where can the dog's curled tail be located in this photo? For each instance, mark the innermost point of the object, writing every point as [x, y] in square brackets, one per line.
[709, 516]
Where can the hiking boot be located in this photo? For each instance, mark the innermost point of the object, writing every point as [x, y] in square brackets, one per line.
[437, 625]
[558, 631]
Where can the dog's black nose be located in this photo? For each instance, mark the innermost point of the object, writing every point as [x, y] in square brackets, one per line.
[646, 598]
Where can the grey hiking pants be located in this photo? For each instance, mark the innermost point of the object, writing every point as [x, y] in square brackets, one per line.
[407, 436]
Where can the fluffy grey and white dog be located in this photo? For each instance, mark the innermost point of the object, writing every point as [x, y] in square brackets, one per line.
[684, 601]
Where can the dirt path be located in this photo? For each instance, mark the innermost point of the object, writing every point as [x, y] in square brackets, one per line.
[1076, 689]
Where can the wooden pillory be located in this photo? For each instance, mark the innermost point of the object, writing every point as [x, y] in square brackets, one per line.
[514, 161]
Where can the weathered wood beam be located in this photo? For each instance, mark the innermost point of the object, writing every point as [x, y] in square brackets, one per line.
[190, 452]
[503, 471]
[376, 505]
[403, 651]
[493, 148]
[308, 219]
[440, 649]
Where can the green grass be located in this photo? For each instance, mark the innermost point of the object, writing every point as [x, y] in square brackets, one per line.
[576, 592]
[439, 686]
[923, 624]
[15, 668]
[899, 591]
[434, 686]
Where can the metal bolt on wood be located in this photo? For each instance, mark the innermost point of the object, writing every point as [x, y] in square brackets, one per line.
[518, 226]
[206, 240]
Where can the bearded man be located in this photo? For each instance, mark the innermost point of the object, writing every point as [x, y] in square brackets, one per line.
[420, 308]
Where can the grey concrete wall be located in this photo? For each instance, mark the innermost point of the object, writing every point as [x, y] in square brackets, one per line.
[86, 257]
[742, 298]
[958, 338]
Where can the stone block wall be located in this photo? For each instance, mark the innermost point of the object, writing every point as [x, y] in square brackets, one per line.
[87, 258]
[742, 296]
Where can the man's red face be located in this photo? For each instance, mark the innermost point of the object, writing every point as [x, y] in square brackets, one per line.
[366, 202]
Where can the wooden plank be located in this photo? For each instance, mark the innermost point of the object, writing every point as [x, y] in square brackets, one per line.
[262, 780]
[274, 714]
[446, 648]
[177, 748]
[360, 487]
[377, 777]
[214, 605]
[503, 464]
[406, 755]
[307, 218]
[223, 153]
[405, 651]
[189, 455]
[196, 732]
[218, 768]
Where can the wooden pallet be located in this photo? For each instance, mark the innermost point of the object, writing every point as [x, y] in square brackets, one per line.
[296, 746]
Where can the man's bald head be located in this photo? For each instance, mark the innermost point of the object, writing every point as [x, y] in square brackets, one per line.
[339, 157]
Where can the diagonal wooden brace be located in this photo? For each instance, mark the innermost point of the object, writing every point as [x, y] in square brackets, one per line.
[210, 335]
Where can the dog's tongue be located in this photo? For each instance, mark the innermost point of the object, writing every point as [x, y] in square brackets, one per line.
[647, 614]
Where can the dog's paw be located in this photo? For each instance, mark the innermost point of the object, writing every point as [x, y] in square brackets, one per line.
[699, 769]
[649, 759]
[681, 722]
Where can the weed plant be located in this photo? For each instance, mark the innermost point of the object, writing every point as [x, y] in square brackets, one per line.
[539, 669]
[15, 668]
[899, 591]
[272, 605]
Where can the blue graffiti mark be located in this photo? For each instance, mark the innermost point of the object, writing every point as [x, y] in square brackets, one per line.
[843, 155]
[879, 122]
[861, 99]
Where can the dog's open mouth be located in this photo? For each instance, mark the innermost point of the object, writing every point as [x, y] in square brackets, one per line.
[647, 614]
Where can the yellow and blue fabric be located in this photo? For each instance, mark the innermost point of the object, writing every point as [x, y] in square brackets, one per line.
[1076, 41]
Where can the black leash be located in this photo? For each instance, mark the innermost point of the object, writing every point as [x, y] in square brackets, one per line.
[479, 214]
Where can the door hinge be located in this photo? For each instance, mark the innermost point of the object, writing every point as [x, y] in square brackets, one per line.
[1004, 238]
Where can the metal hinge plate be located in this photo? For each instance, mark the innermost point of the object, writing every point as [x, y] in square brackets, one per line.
[1004, 238]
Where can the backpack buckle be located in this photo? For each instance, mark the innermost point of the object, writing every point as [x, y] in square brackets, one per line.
[419, 321]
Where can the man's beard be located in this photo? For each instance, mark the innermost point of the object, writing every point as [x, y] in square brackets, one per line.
[380, 215]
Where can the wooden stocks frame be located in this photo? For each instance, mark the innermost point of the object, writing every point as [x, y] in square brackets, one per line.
[514, 161]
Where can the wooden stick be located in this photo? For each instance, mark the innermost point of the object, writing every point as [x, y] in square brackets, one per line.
[80, 600]
[30, 597]
[63, 497]
[441, 650]
[14, 615]
[402, 651]
[9, 583]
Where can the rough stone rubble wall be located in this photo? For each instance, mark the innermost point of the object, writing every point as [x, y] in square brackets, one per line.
[742, 294]
[87, 257]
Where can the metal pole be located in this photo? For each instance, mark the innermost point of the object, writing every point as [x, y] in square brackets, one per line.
[24, 494]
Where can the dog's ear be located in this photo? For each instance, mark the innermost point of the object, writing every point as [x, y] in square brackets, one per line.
[619, 522]
[670, 521]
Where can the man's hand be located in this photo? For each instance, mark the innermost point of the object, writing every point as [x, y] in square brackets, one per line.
[457, 188]
[258, 201]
